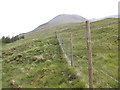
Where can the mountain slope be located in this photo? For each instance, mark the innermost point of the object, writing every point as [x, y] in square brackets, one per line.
[61, 19]
[64, 18]
[21, 71]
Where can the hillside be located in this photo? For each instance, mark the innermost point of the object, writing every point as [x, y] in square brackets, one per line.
[22, 70]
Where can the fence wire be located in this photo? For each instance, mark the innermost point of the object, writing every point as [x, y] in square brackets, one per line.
[104, 46]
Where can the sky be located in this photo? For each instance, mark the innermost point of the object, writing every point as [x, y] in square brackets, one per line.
[21, 16]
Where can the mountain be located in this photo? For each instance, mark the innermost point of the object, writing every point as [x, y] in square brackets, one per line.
[112, 16]
[68, 18]
[62, 19]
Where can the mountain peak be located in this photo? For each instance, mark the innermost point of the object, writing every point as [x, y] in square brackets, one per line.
[67, 18]
[62, 19]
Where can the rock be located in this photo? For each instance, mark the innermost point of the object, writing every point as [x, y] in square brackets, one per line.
[38, 58]
[63, 74]
[71, 77]
[13, 49]
[12, 82]
[19, 56]
[19, 86]
[70, 82]
[7, 53]
[0, 56]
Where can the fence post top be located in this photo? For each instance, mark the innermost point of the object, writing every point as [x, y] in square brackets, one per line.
[87, 21]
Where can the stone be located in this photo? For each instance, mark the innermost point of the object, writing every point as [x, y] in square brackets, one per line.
[38, 58]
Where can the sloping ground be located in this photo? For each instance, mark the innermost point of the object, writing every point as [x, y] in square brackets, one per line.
[20, 69]
[105, 51]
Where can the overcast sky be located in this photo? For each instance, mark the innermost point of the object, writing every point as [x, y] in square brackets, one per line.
[21, 16]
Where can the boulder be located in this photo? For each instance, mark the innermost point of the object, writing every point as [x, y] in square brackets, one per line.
[38, 58]
[0, 56]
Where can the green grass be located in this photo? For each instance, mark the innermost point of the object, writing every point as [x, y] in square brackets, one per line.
[54, 72]
[104, 48]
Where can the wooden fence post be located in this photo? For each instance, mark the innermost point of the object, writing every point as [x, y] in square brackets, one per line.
[88, 36]
[71, 49]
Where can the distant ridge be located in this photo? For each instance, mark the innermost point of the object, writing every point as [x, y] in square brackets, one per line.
[97, 19]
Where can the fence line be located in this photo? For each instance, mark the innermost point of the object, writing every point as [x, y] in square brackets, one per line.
[64, 51]
[62, 44]
[107, 75]
[65, 55]
[69, 61]
[101, 26]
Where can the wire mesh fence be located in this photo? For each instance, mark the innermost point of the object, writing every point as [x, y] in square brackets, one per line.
[104, 35]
